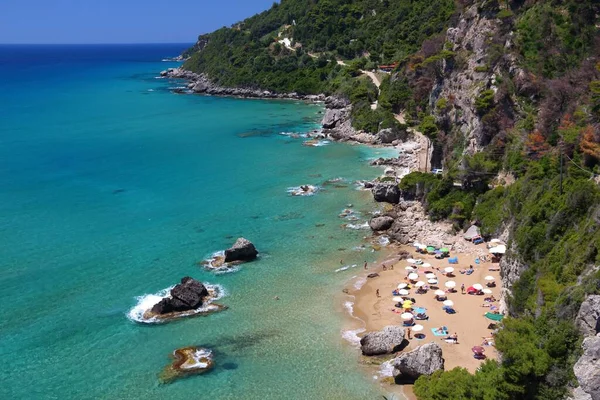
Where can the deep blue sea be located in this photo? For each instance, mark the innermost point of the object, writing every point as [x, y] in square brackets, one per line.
[112, 188]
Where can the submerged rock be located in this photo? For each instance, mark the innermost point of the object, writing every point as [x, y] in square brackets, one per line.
[386, 341]
[424, 360]
[242, 250]
[389, 193]
[188, 361]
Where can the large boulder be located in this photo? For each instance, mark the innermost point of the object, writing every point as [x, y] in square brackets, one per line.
[331, 118]
[382, 223]
[389, 193]
[386, 341]
[187, 295]
[587, 368]
[424, 360]
[242, 250]
[588, 318]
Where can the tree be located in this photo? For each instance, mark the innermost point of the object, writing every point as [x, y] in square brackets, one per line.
[536, 145]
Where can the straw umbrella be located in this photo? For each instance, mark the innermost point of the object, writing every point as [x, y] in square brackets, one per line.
[487, 291]
[450, 284]
[397, 299]
[402, 285]
[406, 316]
[478, 286]
[489, 278]
[409, 268]
[448, 303]
[420, 284]
[430, 276]
[403, 292]
[417, 328]
[449, 270]
[440, 292]
[413, 276]
[426, 265]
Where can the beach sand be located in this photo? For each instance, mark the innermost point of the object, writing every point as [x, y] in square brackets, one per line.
[469, 321]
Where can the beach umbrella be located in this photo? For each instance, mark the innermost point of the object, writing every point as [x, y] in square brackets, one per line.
[419, 310]
[477, 286]
[406, 316]
[407, 305]
[402, 285]
[430, 276]
[450, 284]
[419, 284]
[448, 270]
[500, 249]
[417, 328]
[397, 299]
[487, 291]
[425, 265]
[430, 249]
[403, 292]
[496, 241]
[489, 278]
[448, 303]
[411, 260]
[440, 292]
[417, 244]
[445, 250]
[477, 349]
[432, 281]
[409, 268]
[413, 276]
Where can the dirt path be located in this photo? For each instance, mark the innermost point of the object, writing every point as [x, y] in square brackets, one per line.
[424, 153]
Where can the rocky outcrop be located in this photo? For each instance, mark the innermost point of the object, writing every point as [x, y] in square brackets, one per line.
[386, 341]
[331, 118]
[424, 360]
[389, 193]
[188, 361]
[242, 250]
[413, 225]
[587, 368]
[185, 296]
[587, 319]
[382, 223]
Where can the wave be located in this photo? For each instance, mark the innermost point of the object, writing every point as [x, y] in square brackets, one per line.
[345, 267]
[303, 190]
[364, 225]
[383, 241]
[360, 283]
[351, 335]
[294, 135]
[197, 357]
[147, 301]
[316, 143]
[386, 369]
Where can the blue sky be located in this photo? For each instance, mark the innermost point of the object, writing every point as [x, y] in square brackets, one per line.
[118, 21]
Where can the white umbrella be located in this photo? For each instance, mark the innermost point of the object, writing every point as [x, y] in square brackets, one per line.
[403, 292]
[487, 291]
[489, 278]
[450, 284]
[440, 293]
[432, 281]
[425, 265]
[500, 249]
[417, 244]
[448, 270]
[430, 276]
[411, 260]
[402, 285]
[406, 316]
[448, 303]
[477, 286]
[413, 276]
[417, 328]
[397, 298]
[409, 268]
[419, 284]
[496, 241]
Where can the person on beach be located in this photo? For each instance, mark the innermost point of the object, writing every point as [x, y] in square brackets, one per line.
[409, 331]
[341, 262]
[365, 265]
[392, 267]
[462, 288]
[377, 293]
[384, 267]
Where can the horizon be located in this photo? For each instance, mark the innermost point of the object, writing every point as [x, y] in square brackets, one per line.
[111, 22]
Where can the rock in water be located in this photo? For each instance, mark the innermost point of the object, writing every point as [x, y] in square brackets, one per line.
[331, 118]
[386, 341]
[187, 295]
[188, 361]
[587, 368]
[424, 360]
[389, 193]
[381, 223]
[588, 319]
[242, 250]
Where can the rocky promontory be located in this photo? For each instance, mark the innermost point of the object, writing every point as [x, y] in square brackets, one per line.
[242, 251]
[188, 361]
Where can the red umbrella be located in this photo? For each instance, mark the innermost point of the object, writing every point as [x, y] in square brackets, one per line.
[478, 350]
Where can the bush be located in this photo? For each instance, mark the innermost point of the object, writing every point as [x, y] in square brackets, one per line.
[485, 102]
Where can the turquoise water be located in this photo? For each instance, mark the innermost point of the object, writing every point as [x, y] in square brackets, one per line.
[112, 187]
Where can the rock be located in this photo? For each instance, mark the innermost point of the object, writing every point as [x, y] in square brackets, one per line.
[588, 317]
[391, 135]
[373, 275]
[242, 250]
[424, 360]
[579, 394]
[164, 73]
[188, 361]
[336, 102]
[187, 295]
[403, 255]
[368, 184]
[381, 223]
[331, 118]
[386, 193]
[587, 368]
[386, 341]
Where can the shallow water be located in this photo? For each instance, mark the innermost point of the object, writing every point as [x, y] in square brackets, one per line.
[112, 187]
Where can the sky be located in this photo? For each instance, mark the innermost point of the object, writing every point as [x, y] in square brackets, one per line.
[118, 21]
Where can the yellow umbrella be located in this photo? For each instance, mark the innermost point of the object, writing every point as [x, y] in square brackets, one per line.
[407, 304]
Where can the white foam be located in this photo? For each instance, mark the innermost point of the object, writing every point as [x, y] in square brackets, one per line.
[386, 369]
[359, 283]
[352, 335]
[364, 225]
[318, 143]
[345, 267]
[298, 191]
[383, 240]
[197, 357]
[147, 301]
[294, 134]
[349, 306]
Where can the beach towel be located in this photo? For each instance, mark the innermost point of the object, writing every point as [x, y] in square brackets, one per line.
[453, 260]
[494, 317]
[433, 330]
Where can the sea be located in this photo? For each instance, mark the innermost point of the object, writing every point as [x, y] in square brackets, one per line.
[113, 187]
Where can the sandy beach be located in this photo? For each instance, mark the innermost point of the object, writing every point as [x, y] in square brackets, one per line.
[468, 323]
